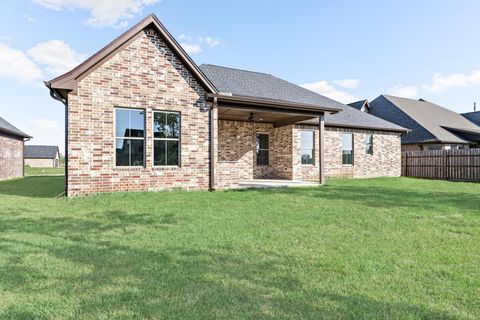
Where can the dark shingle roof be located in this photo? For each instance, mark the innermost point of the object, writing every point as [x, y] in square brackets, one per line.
[8, 128]
[40, 152]
[429, 122]
[473, 117]
[358, 104]
[261, 85]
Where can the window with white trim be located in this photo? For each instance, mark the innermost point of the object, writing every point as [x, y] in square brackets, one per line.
[347, 148]
[307, 149]
[166, 138]
[129, 137]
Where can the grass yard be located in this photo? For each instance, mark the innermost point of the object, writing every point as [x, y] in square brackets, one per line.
[30, 171]
[355, 249]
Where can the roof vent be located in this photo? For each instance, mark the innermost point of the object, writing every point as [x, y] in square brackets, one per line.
[422, 100]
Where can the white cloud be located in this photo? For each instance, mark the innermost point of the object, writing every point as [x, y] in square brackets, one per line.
[442, 83]
[212, 42]
[194, 45]
[191, 48]
[16, 65]
[327, 89]
[111, 13]
[30, 18]
[347, 83]
[55, 56]
[403, 91]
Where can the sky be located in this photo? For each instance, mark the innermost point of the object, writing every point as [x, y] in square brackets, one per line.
[346, 50]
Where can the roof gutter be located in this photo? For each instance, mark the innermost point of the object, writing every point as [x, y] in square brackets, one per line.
[55, 95]
[403, 130]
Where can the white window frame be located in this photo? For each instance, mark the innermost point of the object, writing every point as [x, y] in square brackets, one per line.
[313, 148]
[353, 148]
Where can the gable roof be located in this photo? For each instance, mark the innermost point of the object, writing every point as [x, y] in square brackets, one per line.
[68, 81]
[40, 152]
[359, 104]
[8, 128]
[243, 83]
[473, 117]
[429, 122]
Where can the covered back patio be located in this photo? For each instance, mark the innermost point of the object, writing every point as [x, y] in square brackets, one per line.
[256, 142]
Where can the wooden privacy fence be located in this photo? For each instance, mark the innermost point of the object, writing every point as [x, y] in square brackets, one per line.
[442, 164]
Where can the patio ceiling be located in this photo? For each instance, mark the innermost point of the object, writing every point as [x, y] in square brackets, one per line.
[276, 118]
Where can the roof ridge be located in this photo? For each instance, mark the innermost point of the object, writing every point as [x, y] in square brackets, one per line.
[237, 69]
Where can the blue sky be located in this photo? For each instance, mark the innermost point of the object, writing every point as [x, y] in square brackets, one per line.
[346, 50]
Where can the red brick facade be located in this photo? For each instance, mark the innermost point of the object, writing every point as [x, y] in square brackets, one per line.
[145, 74]
[11, 157]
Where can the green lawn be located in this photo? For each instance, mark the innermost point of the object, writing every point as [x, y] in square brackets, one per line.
[29, 171]
[355, 249]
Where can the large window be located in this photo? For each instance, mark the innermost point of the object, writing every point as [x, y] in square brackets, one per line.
[347, 148]
[306, 147]
[166, 138]
[369, 144]
[129, 137]
[263, 148]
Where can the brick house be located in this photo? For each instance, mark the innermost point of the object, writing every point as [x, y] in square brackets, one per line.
[141, 115]
[42, 156]
[11, 150]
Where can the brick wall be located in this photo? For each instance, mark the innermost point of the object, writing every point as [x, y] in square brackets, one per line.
[11, 157]
[237, 156]
[144, 74]
[385, 161]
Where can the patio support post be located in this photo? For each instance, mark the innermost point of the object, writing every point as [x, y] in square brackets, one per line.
[213, 135]
[321, 148]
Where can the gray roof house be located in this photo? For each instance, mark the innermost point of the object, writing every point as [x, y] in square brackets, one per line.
[41, 156]
[11, 150]
[181, 125]
[473, 117]
[432, 126]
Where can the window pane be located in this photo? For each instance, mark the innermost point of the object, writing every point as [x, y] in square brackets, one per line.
[173, 124]
[307, 139]
[122, 147]
[347, 157]
[262, 157]
[347, 141]
[137, 123]
[136, 155]
[172, 153]
[129, 123]
[307, 156]
[262, 141]
[160, 125]
[369, 144]
[122, 123]
[159, 153]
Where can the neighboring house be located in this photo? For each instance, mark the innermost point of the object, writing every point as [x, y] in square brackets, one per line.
[143, 116]
[473, 117]
[11, 150]
[432, 127]
[362, 105]
[42, 156]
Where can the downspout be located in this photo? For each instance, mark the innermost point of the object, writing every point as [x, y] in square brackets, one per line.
[56, 96]
[212, 143]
